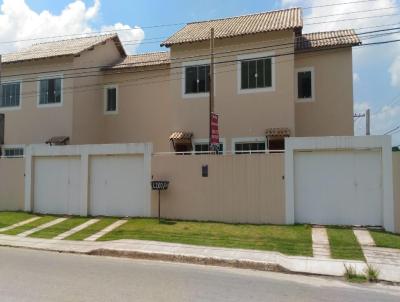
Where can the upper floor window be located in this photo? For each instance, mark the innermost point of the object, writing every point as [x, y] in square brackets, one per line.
[196, 79]
[10, 95]
[305, 84]
[256, 73]
[111, 99]
[50, 91]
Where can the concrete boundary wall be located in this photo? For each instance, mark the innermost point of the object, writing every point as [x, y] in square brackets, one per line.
[84, 154]
[12, 184]
[318, 144]
[396, 186]
[238, 189]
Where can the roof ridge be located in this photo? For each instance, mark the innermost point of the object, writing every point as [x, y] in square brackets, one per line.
[247, 15]
[329, 31]
[113, 34]
[148, 53]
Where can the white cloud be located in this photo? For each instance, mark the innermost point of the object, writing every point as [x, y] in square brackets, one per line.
[19, 22]
[395, 72]
[356, 77]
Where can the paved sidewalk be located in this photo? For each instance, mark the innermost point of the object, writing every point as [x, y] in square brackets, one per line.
[76, 229]
[363, 236]
[262, 260]
[107, 230]
[18, 224]
[321, 247]
[41, 227]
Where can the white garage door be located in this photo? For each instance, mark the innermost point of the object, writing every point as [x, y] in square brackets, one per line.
[117, 186]
[338, 187]
[57, 185]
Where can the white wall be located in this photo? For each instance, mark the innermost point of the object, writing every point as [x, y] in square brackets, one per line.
[336, 145]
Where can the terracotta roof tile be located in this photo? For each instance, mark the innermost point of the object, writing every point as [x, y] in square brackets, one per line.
[281, 132]
[180, 135]
[142, 60]
[237, 26]
[60, 48]
[327, 39]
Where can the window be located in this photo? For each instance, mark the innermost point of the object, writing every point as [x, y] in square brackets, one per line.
[13, 152]
[276, 144]
[196, 79]
[111, 96]
[256, 73]
[200, 148]
[249, 147]
[50, 91]
[10, 95]
[305, 84]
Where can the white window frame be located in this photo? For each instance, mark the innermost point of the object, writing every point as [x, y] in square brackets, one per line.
[259, 55]
[13, 81]
[106, 87]
[49, 77]
[4, 147]
[183, 82]
[207, 140]
[260, 139]
[304, 69]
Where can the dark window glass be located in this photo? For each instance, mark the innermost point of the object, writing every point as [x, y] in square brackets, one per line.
[304, 83]
[111, 99]
[256, 73]
[13, 152]
[247, 148]
[50, 91]
[10, 93]
[204, 147]
[276, 144]
[196, 79]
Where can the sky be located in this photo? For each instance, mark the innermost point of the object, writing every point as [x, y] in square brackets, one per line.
[145, 23]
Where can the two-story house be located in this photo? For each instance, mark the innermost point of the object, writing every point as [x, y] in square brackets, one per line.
[271, 81]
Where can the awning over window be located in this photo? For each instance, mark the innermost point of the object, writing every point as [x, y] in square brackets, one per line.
[58, 140]
[277, 132]
[182, 141]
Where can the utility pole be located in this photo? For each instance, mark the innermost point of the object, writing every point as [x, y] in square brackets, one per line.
[368, 122]
[211, 83]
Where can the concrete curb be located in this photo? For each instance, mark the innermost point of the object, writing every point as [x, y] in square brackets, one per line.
[238, 258]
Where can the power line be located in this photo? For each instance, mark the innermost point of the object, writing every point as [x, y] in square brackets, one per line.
[183, 59]
[320, 52]
[176, 24]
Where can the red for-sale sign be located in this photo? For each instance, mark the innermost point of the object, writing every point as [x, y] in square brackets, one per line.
[214, 130]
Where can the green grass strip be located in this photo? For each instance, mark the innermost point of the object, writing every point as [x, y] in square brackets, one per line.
[388, 240]
[60, 228]
[344, 244]
[93, 229]
[290, 240]
[10, 218]
[34, 224]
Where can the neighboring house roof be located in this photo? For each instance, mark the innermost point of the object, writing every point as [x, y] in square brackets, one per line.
[178, 135]
[327, 39]
[238, 26]
[69, 47]
[143, 60]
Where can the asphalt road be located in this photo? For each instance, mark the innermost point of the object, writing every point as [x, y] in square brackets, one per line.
[27, 275]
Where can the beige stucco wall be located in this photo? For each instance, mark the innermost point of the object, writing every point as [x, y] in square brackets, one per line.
[239, 189]
[12, 184]
[144, 113]
[88, 112]
[80, 116]
[31, 123]
[396, 186]
[331, 112]
[241, 115]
